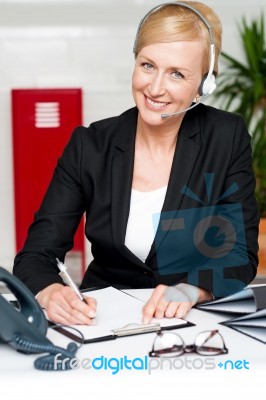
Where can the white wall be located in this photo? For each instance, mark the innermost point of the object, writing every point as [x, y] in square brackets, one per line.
[78, 43]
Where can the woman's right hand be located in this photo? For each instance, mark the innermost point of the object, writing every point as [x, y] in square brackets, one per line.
[64, 307]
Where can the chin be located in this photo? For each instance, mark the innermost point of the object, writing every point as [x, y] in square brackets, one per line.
[151, 118]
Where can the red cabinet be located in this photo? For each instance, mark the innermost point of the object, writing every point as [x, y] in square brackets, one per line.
[43, 120]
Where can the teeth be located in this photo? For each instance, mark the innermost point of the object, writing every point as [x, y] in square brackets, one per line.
[155, 103]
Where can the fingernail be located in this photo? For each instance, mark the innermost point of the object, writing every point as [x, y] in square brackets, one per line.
[145, 321]
[91, 314]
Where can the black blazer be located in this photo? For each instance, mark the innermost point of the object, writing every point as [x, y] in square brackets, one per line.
[94, 175]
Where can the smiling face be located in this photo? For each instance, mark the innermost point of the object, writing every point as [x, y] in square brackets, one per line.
[166, 79]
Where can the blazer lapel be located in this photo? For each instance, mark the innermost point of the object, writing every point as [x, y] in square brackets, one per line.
[185, 157]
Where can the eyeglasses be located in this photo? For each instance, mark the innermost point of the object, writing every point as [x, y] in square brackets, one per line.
[207, 343]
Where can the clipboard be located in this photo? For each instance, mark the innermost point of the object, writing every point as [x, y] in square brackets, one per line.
[119, 315]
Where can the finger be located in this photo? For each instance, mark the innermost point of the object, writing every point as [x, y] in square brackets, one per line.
[155, 306]
[87, 307]
[183, 309]
[65, 304]
[178, 310]
[174, 297]
[92, 303]
[81, 307]
[58, 319]
[59, 315]
[68, 312]
[161, 308]
[171, 310]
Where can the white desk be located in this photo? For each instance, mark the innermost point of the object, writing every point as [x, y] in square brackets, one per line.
[19, 379]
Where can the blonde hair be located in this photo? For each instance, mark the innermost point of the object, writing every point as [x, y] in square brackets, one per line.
[173, 23]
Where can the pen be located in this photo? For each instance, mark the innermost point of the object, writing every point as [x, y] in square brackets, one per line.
[69, 280]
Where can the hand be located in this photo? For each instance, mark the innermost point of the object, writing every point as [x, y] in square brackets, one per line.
[173, 301]
[63, 306]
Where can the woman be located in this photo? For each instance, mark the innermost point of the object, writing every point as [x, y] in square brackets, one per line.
[165, 155]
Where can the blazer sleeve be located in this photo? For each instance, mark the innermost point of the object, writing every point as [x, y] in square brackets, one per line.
[52, 231]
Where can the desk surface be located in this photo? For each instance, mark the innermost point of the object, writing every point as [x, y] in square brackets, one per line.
[187, 374]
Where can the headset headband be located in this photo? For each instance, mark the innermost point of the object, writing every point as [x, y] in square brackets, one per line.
[174, 3]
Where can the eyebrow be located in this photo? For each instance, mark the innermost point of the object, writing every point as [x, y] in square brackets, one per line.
[148, 60]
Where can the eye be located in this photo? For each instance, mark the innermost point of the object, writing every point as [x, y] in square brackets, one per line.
[177, 75]
[147, 66]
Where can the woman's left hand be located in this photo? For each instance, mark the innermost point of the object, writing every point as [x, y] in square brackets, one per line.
[173, 301]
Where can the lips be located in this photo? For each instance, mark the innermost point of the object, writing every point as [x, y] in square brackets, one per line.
[156, 104]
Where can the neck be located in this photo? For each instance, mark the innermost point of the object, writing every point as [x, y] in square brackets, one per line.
[159, 138]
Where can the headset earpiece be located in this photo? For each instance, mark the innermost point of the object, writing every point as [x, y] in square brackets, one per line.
[208, 85]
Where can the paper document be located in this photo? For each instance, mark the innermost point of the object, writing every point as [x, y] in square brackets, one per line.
[119, 314]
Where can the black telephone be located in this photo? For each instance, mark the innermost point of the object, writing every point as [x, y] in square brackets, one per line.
[24, 328]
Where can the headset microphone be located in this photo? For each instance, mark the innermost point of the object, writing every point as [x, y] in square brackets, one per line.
[203, 97]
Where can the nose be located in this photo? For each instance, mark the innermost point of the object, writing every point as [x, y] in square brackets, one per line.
[156, 87]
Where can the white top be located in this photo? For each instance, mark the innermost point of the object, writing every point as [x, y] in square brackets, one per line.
[141, 226]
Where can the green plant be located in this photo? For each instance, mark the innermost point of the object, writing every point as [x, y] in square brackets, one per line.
[242, 87]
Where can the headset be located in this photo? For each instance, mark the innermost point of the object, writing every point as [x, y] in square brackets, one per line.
[208, 84]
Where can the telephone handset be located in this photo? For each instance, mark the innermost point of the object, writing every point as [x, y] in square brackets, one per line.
[25, 328]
